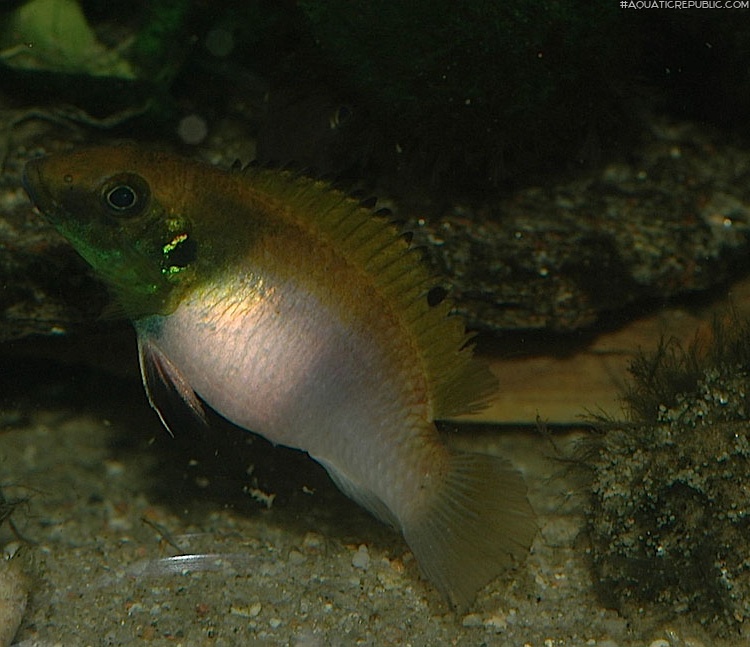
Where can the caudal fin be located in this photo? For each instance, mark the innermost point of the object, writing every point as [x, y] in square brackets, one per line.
[478, 524]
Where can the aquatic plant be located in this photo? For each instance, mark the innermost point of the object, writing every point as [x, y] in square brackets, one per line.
[669, 514]
[54, 35]
[107, 70]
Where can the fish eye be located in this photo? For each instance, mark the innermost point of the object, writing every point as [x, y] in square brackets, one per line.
[122, 197]
[125, 195]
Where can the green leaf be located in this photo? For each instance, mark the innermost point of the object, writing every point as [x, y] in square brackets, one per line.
[53, 35]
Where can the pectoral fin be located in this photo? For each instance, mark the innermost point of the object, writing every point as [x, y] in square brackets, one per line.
[163, 382]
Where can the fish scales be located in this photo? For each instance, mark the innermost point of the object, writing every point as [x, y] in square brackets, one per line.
[299, 315]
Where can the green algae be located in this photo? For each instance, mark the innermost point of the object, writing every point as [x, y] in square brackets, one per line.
[669, 515]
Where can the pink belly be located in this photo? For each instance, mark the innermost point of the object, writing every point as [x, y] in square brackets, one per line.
[290, 370]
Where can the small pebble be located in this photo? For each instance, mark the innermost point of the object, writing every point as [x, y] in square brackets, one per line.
[472, 620]
[246, 610]
[114, 468]
[496, 623]
[361, 558]
[10, 549]
[296, 558]
[561, 531]
[313, 542]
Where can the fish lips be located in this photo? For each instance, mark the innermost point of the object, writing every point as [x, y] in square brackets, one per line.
[35, 186]
[46, 199]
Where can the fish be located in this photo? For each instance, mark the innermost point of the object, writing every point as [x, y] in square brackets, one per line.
[300, 315]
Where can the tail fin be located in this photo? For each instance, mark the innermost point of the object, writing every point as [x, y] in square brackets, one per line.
[478, 524]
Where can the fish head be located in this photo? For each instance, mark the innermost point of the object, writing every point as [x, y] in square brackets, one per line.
[125, 212]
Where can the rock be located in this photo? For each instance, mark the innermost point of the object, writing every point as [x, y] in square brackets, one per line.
[562, 257]
[13, 596]
[674, 220]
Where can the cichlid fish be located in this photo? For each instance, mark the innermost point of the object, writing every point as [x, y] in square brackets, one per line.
[299, 315]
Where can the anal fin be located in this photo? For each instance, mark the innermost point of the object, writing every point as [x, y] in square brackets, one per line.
[364, 497]
[478, 524]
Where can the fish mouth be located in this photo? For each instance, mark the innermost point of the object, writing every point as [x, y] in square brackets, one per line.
[35, 186]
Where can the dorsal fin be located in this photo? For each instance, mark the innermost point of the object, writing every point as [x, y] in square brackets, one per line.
[457, 382]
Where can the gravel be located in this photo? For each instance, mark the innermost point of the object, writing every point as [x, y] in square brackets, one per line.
[140, 537]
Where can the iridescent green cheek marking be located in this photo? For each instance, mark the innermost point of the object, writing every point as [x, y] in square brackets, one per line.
[178, 254]
[172, 244]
